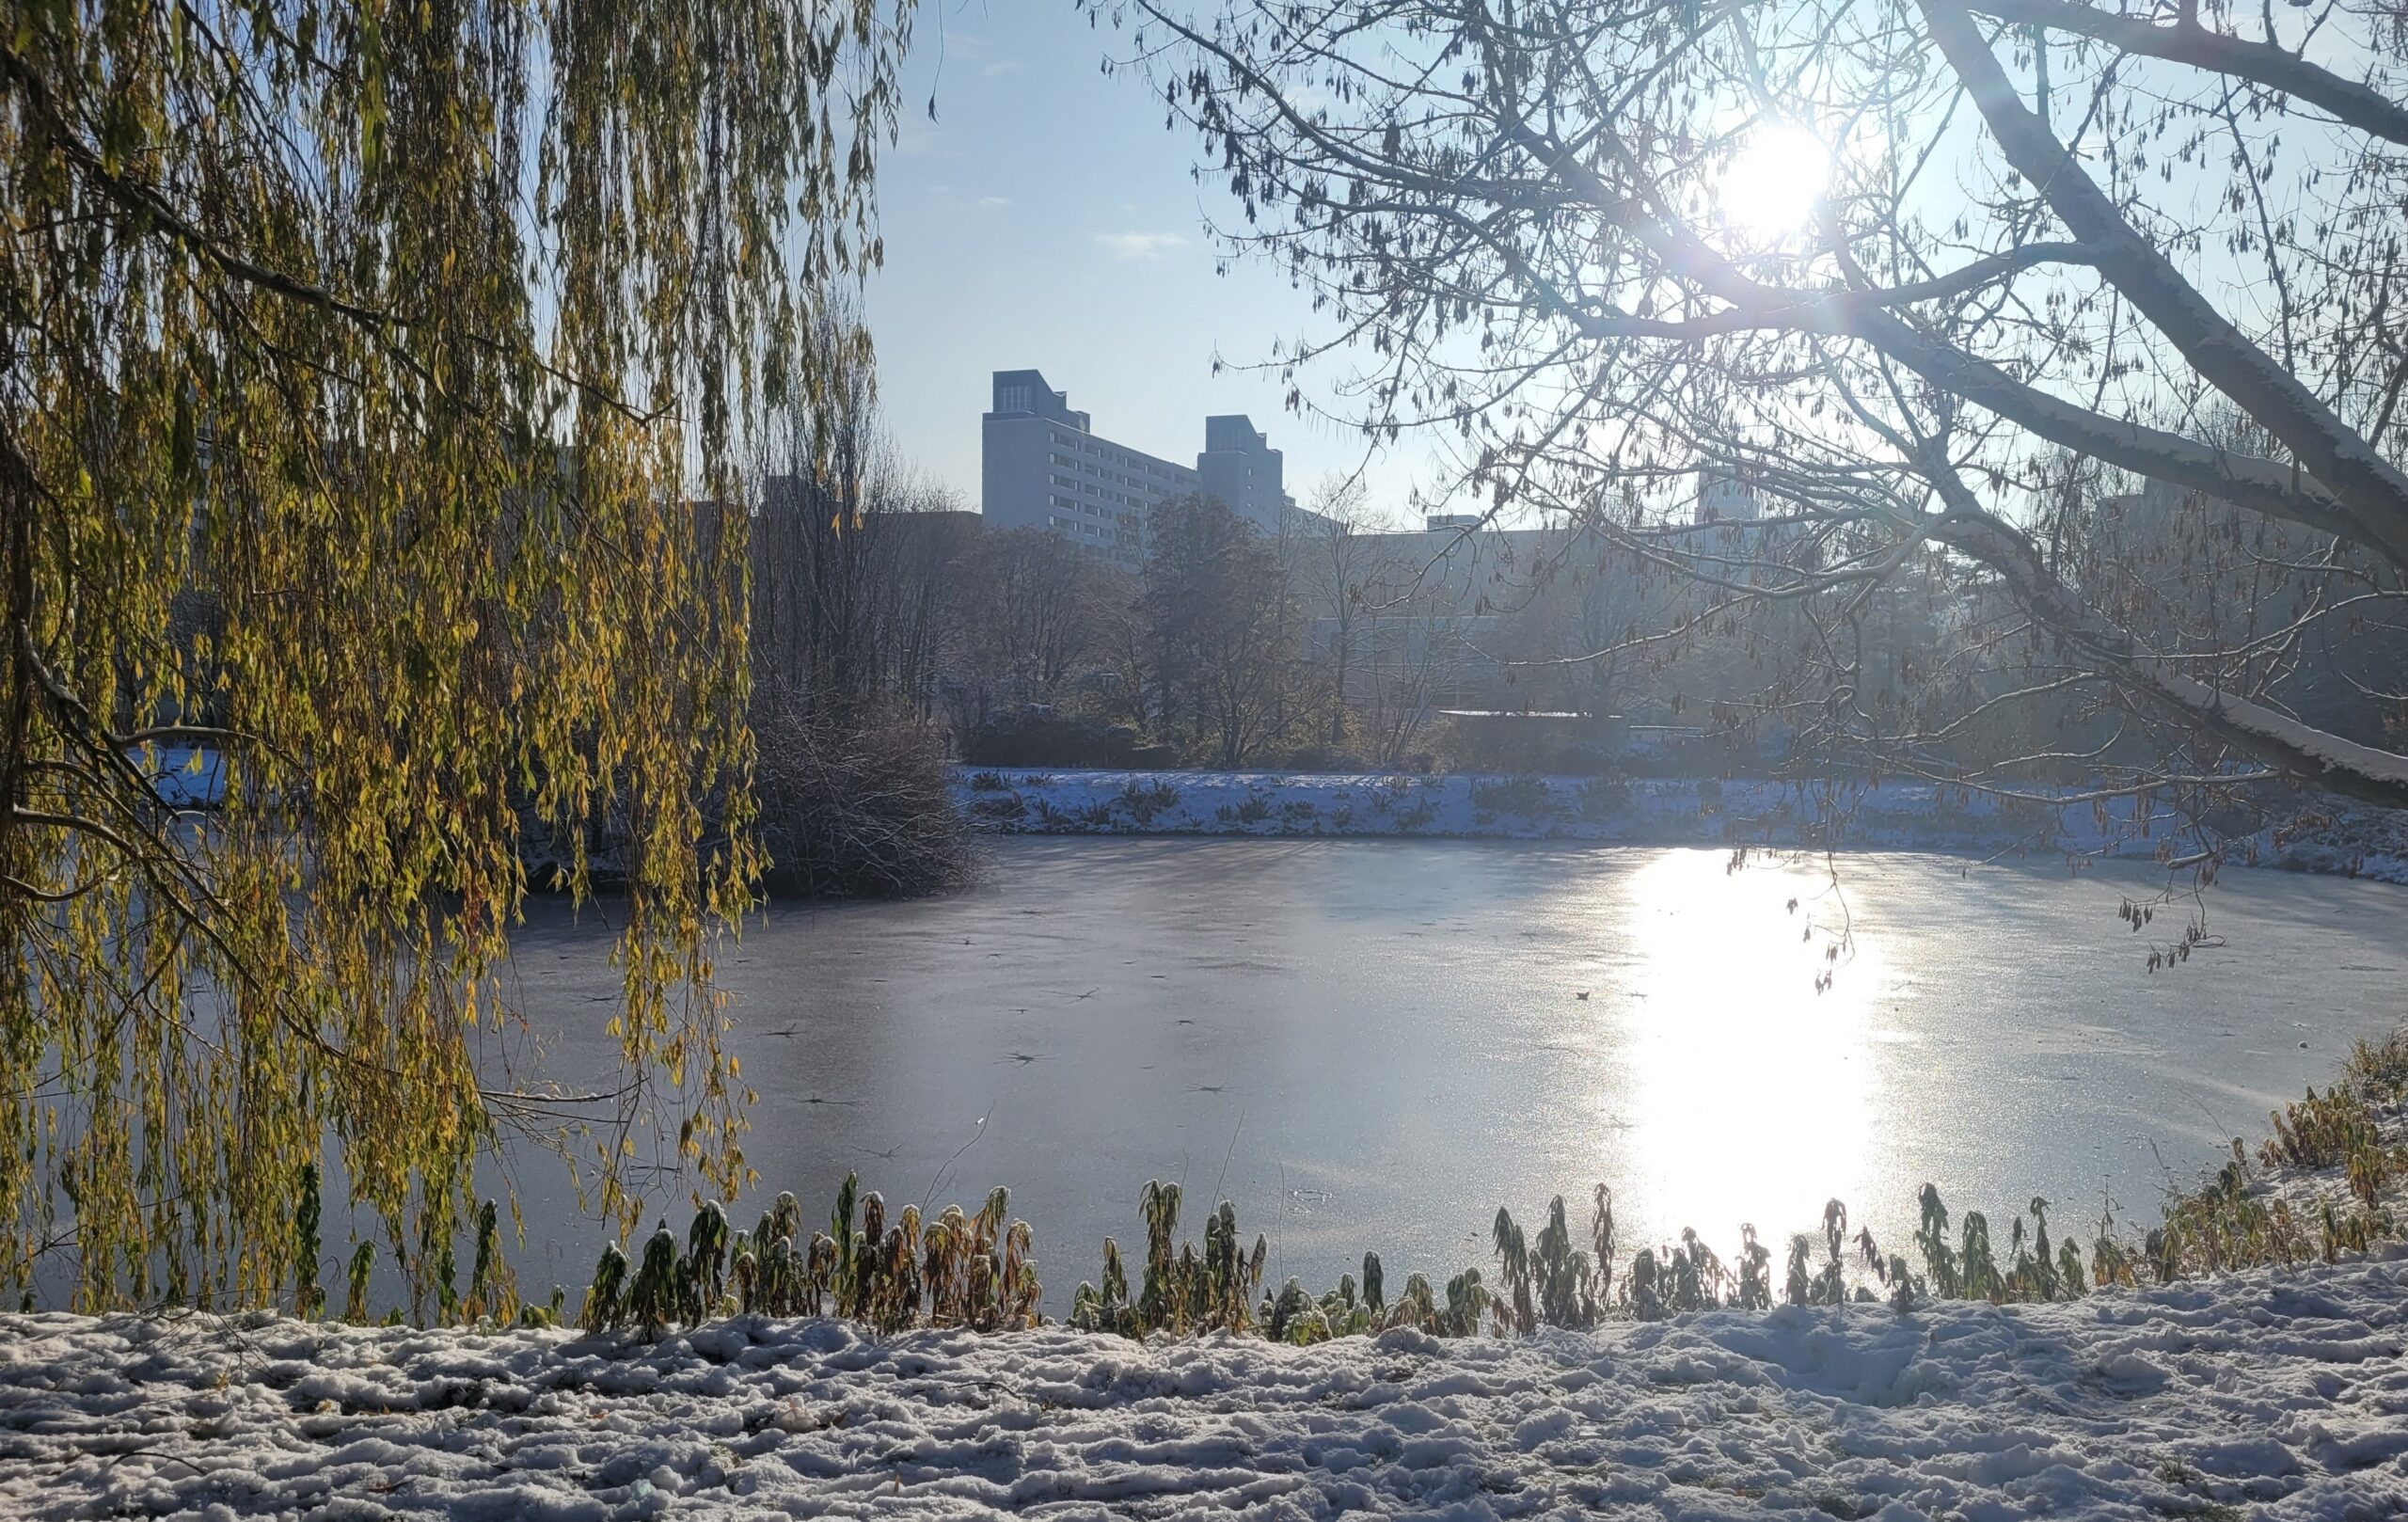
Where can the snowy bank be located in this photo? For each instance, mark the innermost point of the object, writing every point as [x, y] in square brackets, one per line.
[1888, 816]
[2282, 1393]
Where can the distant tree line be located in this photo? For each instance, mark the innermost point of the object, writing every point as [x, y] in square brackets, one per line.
[1338, 641]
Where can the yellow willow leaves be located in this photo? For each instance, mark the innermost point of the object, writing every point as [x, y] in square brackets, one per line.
[367, 366]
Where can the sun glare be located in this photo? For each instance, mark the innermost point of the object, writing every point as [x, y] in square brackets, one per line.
[1770, 188]
[1747, 1086]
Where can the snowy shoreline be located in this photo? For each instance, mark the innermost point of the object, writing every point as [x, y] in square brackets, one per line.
[2332, 838]
[2275, 1390]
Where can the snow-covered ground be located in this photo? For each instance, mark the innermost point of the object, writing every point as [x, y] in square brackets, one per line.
[2327, 837]
[2283, 1396]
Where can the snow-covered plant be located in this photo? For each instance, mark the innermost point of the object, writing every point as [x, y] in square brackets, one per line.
[1417, 1306]
[1646, 1294]
[2111, 1265]
[1142, 801]
[2070, 1277]
[1157, 1300]
[743, 1270]
[363, 1262]
[308, 1297]
[890, 1298]
[1561, 1274]
[1980, 1278]
[446, 1275]
[1551, 1283]
[1466, 1297]
[705, 1269]
[1904, 1289]
[2034, 1276]
[2379, 1070]
[1755, 1272]
[531, 1315]
[604, 1297]
[1830, 1284]
[793, 1283]
[1183, 1290]
[1514, 1312]
[1688, 1291]
[2319, 1132]
[491, 1294]
[1601, 1242]
[1525, 796]
[1294, 1318]
[2351, 1230]
[784, 1219]
[1228, 1284]
[1939, 1258]
[1343, 1312]
[1800, 1288]
[811, 1275]
[840, 1236]
[655, 1297]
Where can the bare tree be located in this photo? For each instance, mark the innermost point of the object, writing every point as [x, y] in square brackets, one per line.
[2046, 231]
[1334, 550]
[1220, 630]
[853, 561]
[1036, 612]
[925, 557]
[853, 554]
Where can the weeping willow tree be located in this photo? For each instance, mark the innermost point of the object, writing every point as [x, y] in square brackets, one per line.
[364, 367]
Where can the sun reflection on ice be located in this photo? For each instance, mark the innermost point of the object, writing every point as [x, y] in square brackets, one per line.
[1752, 1096]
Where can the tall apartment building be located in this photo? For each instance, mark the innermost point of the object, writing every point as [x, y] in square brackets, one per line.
[1725, 497]
[1042, 465]
[1239, 466]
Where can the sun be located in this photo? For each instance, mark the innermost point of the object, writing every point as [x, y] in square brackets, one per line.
[1772, 183]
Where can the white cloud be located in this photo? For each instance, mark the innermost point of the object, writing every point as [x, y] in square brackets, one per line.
[1139, 244]
[993, 204]
[1001, 67]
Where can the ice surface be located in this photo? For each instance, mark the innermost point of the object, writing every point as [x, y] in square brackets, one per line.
[1373, 1044]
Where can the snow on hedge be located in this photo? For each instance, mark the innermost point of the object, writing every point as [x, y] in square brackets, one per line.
[1889, 815]
[2281, 1393]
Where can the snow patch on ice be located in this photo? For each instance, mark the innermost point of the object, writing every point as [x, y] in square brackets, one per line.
[2332, 837]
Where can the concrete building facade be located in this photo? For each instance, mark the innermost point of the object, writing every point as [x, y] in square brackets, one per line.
[1239, 466]
[1042, 465]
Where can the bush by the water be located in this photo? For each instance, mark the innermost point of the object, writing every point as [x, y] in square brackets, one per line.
[1041, 738]
[1529, 744]
[855, 806]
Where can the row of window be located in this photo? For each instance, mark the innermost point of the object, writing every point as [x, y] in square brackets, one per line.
[1096, 495]
[1117, 458]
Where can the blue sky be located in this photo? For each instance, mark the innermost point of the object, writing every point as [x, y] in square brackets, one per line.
[1047, 220]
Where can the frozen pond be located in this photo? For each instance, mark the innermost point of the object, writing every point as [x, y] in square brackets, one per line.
[1375, 1043]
